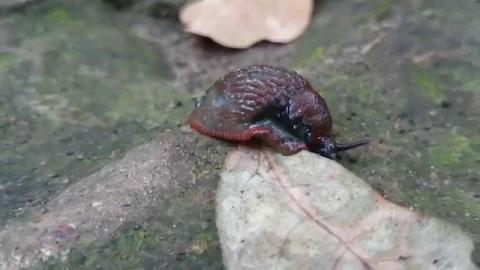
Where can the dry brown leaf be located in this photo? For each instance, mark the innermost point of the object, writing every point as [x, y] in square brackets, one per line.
[308, 212]
[241, 23]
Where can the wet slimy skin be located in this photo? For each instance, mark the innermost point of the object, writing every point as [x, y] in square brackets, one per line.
[273, 104]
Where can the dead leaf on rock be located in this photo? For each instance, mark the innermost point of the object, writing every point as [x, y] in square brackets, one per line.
[241, 23]
[308, 212]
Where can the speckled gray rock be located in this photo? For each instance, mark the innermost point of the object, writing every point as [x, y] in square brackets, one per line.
[96, 206]
[308, 212]
[7, 4]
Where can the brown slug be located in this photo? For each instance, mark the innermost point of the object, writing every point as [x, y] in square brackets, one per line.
[272, 104]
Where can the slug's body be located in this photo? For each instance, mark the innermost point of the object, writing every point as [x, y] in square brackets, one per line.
[273, 104]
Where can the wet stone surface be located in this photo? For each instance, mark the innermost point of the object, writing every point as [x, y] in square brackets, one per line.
[82, 83]
[151, 208]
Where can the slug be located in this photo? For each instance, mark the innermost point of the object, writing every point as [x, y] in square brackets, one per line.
[273, 104]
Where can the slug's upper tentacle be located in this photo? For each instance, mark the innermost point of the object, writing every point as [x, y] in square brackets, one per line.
[347, 146]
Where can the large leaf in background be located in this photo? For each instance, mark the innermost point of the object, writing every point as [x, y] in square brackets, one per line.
[241, 23]
[308, 212]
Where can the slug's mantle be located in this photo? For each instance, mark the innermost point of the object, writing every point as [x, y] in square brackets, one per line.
[273, 104]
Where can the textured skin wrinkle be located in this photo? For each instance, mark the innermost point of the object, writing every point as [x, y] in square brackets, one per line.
[273, 104]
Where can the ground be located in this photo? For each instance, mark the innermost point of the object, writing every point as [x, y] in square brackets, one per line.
[84, 83]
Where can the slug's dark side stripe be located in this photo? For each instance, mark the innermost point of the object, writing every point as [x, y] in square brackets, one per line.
[279, 113]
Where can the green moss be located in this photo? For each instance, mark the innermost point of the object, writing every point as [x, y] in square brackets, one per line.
[470, 207]
[7, 60]
[130, 241]
[445, 201]
[206, 236]
[467, 78]
[93, 95]
[452, 201]
[69, 57]
[122, 254]
[382, 9]
[443, 156]
[430, 85]
[316, 56]
[60, 16]
[364, 93]
[150, 102]
[452, 151]
[472, 86]
[419, 199]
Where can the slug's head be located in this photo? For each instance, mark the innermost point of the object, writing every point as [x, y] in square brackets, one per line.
[329, 148]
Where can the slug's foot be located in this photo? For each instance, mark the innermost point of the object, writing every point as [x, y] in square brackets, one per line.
[277, 139]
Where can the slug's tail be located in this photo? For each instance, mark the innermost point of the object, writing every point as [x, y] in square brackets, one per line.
[343, 147]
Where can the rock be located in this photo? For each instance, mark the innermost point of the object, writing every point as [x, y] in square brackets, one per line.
[93, 208]
[9, 4]
[308, 212]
